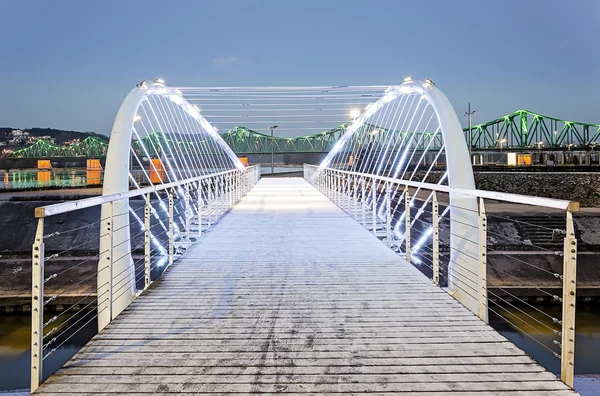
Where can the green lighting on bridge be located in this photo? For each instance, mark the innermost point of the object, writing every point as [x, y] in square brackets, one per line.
[522, 129]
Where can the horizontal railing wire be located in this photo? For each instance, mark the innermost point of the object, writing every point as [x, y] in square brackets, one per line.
[194, 212]
[356, 197]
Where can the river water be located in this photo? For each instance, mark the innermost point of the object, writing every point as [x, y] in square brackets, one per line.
[28, 179]
[15, 336]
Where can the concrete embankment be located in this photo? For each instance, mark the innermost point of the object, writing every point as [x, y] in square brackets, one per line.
[582, 187]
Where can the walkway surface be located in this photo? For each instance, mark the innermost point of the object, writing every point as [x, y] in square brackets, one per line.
[287, 294]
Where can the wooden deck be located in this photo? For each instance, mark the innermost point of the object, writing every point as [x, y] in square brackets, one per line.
[287, 294]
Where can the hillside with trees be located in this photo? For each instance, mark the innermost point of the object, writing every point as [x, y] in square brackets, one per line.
[60, 136]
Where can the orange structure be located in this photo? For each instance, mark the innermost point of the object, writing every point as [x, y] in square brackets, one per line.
[93, 177]
[524, 159]
[43, 177]
[94, 164]
[44, 164]
[157, 171]
[244, 161]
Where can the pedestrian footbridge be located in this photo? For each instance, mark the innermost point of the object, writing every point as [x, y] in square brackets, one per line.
[289, 294]
[376, 273]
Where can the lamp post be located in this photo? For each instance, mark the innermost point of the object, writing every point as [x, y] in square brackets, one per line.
[273, 148]
[501, 141]
[592, 146]
[469, 113]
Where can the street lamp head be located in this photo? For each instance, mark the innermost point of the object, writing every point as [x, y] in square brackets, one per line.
[273, 127]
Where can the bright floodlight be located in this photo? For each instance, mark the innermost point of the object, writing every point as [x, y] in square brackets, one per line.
[408, 79]
[137, 118]
[354, 113]
[159, 80]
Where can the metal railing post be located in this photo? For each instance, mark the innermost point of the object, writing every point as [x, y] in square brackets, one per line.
[232, 191]
[188, 214]
[216, 199]
[212, 196]
[199, 204]
[228, 193]
[362, 201]
[407, 223]
[221, 196]
[171, 227]
[334, 183]
[111, 230]
[236, 188]
[567, 360]
[224, 195]
[147, 209]
[37, 306]
[338, 189]
[349, 195]
[482, 297]
[436, 239]
[355, 197]
[374, 206]
[388, 214]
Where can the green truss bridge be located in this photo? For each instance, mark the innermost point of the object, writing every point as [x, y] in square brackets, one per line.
[520, 130]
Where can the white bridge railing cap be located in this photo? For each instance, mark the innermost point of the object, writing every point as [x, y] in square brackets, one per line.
[64, 207]
[498, 196]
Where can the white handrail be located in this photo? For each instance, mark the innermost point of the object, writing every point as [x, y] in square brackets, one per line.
[467, 273]
[117, 276]
[495, 195]
[64, 207]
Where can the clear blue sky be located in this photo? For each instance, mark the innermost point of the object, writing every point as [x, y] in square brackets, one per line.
[69, 64]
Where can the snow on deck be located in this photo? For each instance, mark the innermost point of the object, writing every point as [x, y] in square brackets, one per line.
[288, 294]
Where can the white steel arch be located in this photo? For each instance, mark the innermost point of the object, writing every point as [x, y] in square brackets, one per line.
[402, 112]
[172, 113]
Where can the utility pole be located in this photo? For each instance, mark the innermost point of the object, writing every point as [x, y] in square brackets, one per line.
[469, 113]
[273, 148]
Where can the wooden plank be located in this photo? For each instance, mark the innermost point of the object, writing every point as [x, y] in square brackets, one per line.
[287, 294]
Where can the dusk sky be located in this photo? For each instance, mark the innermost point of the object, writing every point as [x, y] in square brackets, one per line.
[69, 64]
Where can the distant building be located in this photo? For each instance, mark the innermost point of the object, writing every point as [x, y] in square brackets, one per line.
[19, 133]
[71, 142]
[16, 141]
[33, 139]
